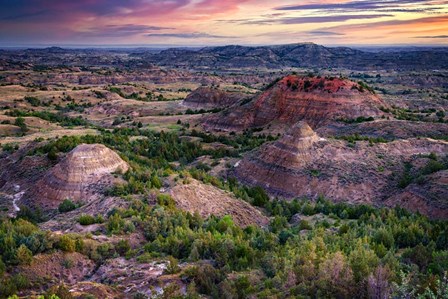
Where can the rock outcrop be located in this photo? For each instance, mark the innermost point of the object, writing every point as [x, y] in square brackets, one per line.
[209, 98]
[82, 173]
[316, 100]
[301, 164]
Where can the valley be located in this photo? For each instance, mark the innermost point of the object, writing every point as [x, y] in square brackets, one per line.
[294, 171]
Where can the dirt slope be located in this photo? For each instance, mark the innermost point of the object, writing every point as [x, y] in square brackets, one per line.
[209, 200]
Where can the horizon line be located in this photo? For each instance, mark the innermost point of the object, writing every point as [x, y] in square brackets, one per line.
[168, 46]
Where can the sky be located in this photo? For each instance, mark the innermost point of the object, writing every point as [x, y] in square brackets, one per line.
[222, 22]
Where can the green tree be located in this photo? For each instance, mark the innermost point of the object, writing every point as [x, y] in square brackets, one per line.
[362, 260]
[260, 197]
[2, 267]
[115, 224]
[382, 236]
[155, 181]
[123, 247]
[20, 122]
[336, 276]
[24, 255]
[52, 154]
[66, 243]
[172, 266]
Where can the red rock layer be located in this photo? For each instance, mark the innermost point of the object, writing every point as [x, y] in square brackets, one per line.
[315, 100]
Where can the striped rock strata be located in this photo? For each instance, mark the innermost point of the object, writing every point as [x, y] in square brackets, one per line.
[316, 100]
[83, 172]
[301, 164]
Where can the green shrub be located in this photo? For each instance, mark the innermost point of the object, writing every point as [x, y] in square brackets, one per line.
[172, 266]
[303, 224]
[66, 206]
[86, 219]
[115, 224]
[165, 200]
[433, 166]
[20, 122]
[259, 196]
[33, 101]
[61, 292]
[66, 243]
[122, 247]
[24, 255]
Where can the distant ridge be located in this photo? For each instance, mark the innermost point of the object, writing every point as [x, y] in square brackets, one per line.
[233, 56]
[301, 55]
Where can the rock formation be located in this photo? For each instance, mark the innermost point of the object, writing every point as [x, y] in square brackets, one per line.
[316, 100]
[301, 164]
[209, 98]
[76, 176]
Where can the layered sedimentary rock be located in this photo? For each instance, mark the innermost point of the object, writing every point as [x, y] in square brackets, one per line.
[83, 172]
[209, 97]
[316, 100]
[301, 164]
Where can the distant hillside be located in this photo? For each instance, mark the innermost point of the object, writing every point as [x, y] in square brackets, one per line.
[301, 55]
[272, 57]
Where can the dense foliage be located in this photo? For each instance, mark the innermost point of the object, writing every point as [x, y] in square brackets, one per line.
[49, 116]
[311, 249]
[335, 250]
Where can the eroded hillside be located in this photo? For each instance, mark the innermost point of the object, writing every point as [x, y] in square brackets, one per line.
[122, 176]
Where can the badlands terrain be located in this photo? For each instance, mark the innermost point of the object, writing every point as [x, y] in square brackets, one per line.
[295, 171]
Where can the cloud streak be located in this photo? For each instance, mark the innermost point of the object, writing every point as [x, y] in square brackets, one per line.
[331, 19]
[308, 19]
[324, 33]
[122, 30]
[191, 35]
[362, 5]
[433, 36]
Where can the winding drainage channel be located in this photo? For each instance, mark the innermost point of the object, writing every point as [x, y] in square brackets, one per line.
[16, 197]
